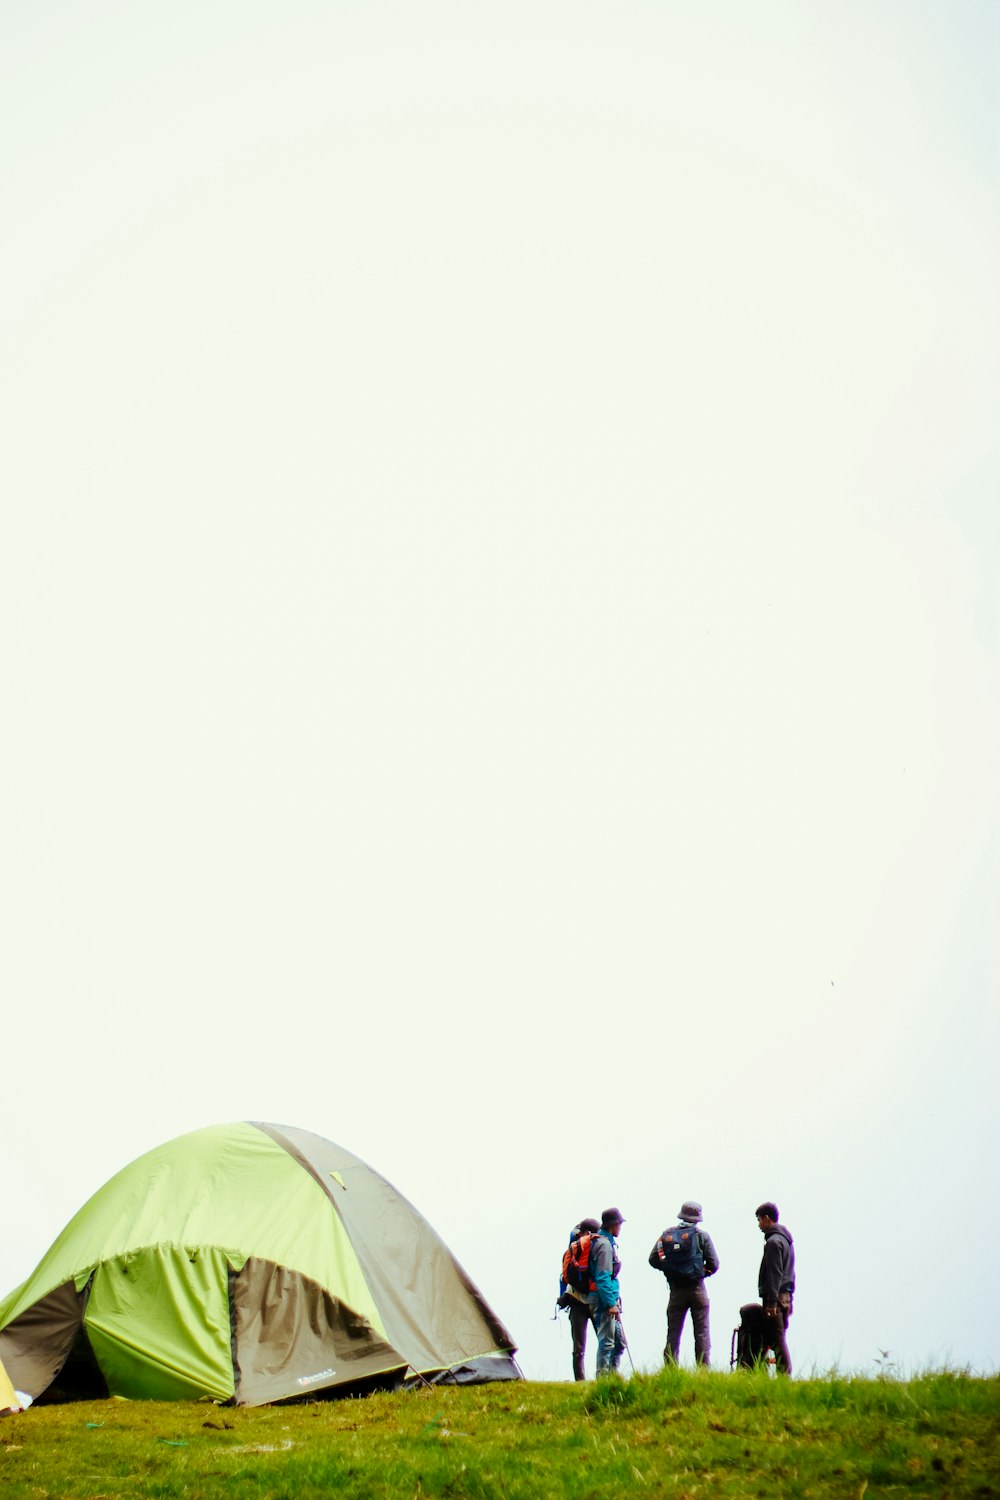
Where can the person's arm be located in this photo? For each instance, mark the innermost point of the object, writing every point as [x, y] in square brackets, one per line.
[709, 1254]
[770, 1272]
[601, 1261]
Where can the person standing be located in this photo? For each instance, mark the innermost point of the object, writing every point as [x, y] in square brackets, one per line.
[686, 1256]
[776, 1283]
[574, 1298]
[605, 1299]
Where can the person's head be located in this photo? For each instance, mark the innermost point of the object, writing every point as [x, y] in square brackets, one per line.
[612, 1221]
[588, 1226]
[690, 1212]
[767, 1216]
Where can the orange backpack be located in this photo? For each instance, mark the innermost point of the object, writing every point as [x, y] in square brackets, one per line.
[576, 1264]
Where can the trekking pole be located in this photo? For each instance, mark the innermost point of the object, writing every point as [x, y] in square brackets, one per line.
[628, 1351]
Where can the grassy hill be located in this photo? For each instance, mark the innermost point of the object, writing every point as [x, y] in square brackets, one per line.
[673, 1434]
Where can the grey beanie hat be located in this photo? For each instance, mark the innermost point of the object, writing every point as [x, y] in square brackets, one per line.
[690, 1211]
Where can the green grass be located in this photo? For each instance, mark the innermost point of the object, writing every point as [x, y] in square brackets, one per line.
[673, 1434]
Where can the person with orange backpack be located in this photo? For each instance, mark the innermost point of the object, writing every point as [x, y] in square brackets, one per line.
[574, 1284]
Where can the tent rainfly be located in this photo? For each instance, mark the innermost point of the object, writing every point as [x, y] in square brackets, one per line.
[247, 1263]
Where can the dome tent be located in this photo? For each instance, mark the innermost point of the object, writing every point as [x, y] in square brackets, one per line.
[252, 1263]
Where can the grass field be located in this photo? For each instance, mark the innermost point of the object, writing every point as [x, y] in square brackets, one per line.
[675, 1433]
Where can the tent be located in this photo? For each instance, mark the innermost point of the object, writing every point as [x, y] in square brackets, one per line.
[248, 1263]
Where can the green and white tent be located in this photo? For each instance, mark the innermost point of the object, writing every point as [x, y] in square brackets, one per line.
[250, 1263]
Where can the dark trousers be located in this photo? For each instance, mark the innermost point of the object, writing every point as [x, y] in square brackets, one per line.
[775, 1328]
[580, 1318]
[685, 1299]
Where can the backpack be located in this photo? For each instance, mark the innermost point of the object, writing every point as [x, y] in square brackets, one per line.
[576, 1264]
[747, 1348]
[677, 1253]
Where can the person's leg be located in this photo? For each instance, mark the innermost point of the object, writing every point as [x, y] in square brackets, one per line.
[775, 1325]
[616, 1358]
[579, 1321]
[699, 1317]
[599, 1320]
[783, 1359]
[606, 1326]
[677, 1306]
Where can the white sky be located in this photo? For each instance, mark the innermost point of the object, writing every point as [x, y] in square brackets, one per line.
[500, 627]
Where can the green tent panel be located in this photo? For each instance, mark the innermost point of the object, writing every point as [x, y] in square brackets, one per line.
[247, 1263]
[158, 1323]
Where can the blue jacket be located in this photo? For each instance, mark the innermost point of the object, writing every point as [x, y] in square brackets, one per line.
[604, 1268]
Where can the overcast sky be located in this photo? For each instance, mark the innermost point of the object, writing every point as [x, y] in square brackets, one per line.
[500, 627]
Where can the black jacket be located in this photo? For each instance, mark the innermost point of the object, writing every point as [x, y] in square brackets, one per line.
[777, 1266]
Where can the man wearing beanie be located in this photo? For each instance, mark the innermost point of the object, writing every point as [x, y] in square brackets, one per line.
[686, 1256]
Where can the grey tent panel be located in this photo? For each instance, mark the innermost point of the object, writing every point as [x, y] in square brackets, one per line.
[35, 1347]
[431, 1310]
[291, 1335]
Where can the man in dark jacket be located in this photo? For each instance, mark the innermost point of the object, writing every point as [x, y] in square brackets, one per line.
[686, 1255]
[776, 1283]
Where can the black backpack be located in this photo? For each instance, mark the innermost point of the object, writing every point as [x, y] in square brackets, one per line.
[678, 1254]
[747, 1347]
